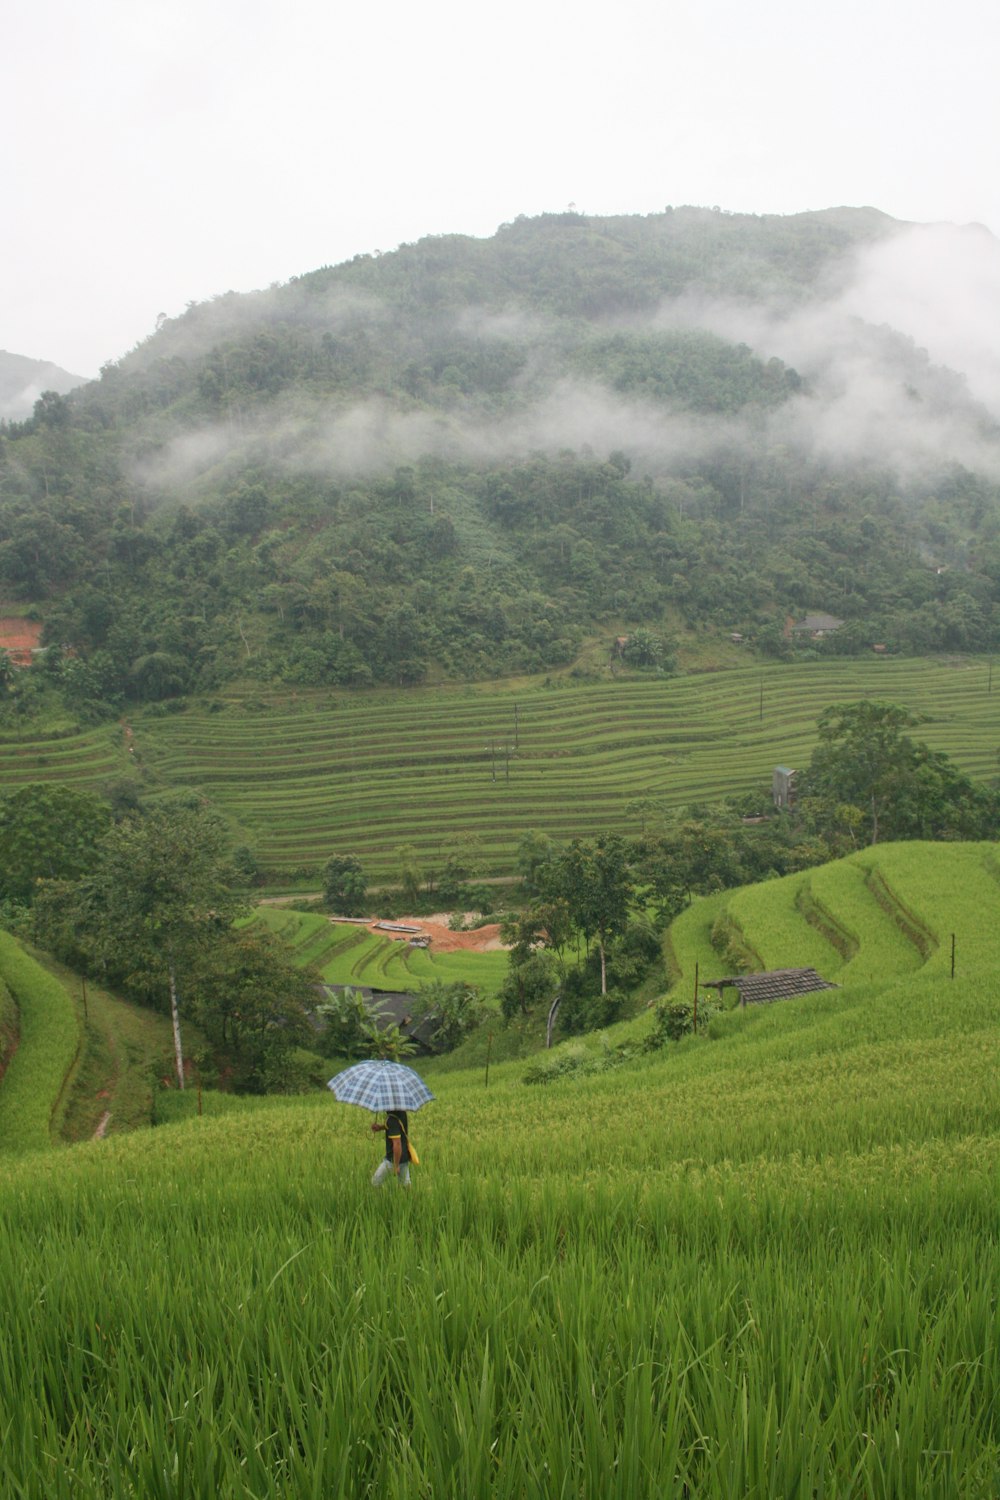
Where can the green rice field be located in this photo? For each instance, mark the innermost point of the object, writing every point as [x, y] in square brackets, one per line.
[347, 954]
[303, 776]
[759, 1263]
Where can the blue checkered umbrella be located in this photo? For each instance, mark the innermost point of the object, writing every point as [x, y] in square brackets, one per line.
[380, 1085]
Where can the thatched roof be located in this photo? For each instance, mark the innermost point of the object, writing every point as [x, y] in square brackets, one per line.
[773, 984]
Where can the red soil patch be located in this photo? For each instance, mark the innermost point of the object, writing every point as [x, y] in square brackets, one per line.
[443, 940]
[19, 638]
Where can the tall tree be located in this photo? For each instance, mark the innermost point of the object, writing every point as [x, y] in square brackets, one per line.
[344, 887]
[902, 787]
[595, 881]
[252, 999]
[163, 888]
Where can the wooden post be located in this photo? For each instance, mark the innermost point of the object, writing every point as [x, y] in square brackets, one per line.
[953, 955]
[696, 999]
[489, 1049]
[86, 1013]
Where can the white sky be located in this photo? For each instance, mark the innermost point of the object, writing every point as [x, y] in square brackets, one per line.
[163, 151]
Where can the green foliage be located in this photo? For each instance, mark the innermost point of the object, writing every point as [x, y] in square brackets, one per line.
[901, 787]
[163, 887]
[344, 887]
[455, 1009]
[350, 1024]
[251, 1001]
[300, 568]
[530, 984]
[47, 832]
[596, 884]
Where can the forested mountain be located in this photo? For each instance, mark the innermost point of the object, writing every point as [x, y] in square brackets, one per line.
[465, 457]
[23, 380]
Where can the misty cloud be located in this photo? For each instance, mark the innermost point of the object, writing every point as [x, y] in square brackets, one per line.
[893, 364]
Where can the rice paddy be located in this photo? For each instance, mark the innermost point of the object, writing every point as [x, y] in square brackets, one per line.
[757, 1265]
[304, 776]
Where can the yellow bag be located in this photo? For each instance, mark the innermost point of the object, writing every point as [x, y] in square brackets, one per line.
[414, 1158]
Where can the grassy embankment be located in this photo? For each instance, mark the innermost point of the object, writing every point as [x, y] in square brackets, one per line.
[78, 1060]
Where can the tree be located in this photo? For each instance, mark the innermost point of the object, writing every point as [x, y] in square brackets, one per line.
[535, 851]
[350, 1023]
[344, 886]
[528, 983]
[454, 1008]
[49, 832]
[902, 787]
[162, 892]
[252, 1000]
[411, 874]
[595, 881]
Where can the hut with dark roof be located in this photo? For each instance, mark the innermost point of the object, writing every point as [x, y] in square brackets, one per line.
[772, 984]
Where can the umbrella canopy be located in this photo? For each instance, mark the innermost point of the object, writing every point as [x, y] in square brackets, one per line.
[380, 1085]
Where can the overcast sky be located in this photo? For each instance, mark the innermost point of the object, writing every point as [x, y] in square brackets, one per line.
[162, 153]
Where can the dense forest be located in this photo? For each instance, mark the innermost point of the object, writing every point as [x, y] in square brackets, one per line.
[468, 457]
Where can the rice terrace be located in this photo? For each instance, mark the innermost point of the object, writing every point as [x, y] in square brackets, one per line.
[759, 1262]
[307, 773]
[548, 677]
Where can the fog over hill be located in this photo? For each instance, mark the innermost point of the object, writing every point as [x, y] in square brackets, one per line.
[23, 380]
[469, 456]
[478, 351]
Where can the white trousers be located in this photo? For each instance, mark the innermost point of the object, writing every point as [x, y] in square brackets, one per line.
[385, 1169]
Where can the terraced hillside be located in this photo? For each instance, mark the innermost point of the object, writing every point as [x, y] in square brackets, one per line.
[881, 915]
[75, 1061]
[346, 954]
[760, 1263]
[308, 775]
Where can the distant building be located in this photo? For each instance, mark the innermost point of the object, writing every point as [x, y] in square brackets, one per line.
[783, 787]
[816, 626]
[21, 639]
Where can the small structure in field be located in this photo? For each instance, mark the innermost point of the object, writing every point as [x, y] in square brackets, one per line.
[783, 787]
[771, 985]
[816, 626]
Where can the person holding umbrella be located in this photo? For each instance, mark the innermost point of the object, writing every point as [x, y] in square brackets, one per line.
[397, 1149]
[396, 1089]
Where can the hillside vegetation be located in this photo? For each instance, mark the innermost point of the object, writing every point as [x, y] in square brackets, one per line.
[753, 1264]
[468, 458]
